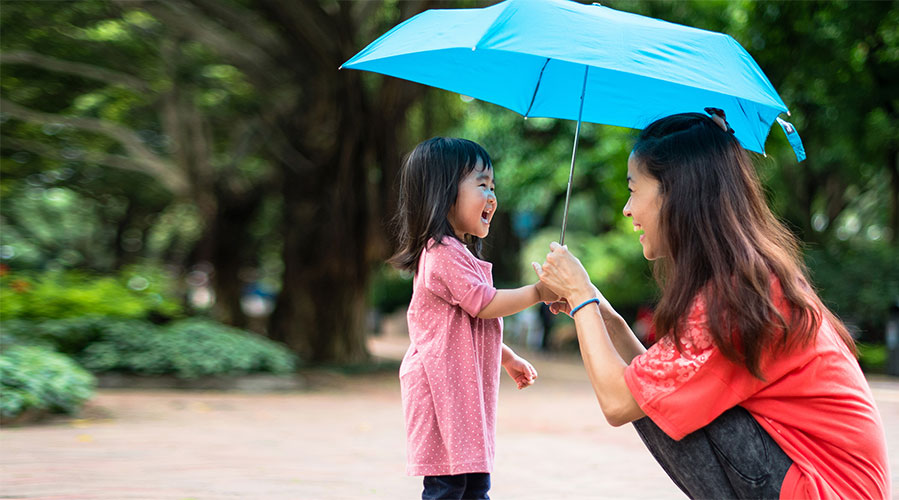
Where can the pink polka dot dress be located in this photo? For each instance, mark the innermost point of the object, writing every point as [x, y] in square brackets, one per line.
[450, 375]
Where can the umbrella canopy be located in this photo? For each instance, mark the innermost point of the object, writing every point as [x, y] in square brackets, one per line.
[563, 59]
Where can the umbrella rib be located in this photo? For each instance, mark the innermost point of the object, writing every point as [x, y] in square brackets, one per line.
[536, 88]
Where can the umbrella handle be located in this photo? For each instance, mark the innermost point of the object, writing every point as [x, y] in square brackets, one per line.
[577, 132]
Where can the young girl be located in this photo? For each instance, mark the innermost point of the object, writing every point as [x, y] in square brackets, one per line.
[753, 390]
[450, 375]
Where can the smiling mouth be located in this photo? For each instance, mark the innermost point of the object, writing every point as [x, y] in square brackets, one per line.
[485, 216]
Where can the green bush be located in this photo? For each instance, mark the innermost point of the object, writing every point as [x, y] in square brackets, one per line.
[33, 377]
[69, 335]
[135, 293]
[390, 289]
[872, 357]
[18, 332]
[859, 282]
[187, 349]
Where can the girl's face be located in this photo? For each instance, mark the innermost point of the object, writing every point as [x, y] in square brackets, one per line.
[643, 207]
[475, 204]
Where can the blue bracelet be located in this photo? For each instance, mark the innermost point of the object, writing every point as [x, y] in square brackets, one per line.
[578, 308]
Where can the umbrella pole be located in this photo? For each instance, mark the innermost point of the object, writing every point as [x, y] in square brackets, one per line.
[577, 132]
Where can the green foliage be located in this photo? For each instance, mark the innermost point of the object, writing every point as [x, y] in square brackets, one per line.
[20, 332]
[188, 349]
[831, 62]
[73, 335]
[613, 260]
[34, 377]
[72, 197]
[859, 282]
[390, 289]
[135, 293]
[872, 357]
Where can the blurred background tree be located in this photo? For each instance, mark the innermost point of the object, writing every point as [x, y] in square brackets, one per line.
[217, 140]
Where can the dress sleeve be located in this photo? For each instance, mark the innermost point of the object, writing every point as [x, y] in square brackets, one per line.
[682, 391]
[451, 273]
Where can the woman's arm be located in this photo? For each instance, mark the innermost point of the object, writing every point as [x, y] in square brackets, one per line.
[607, 343]
[623, 338]
[606, 353]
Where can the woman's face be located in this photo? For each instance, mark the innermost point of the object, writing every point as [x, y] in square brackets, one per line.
[643, 208]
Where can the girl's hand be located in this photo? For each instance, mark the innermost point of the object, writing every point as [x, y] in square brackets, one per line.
[564, 274]
[546, 295]
[522, 372]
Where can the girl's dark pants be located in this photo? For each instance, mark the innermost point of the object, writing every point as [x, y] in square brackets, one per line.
[458, 487]
[732, 457]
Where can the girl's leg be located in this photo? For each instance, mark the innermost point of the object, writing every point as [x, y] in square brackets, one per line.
[732, 457]
[477, 486]
[444, 487]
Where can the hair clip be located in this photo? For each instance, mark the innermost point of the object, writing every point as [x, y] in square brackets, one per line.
[717, 115]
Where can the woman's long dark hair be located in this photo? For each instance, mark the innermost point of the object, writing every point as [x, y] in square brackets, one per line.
[429, 183]
[721, 239]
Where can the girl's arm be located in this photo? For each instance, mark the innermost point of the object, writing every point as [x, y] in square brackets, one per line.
[508, 302]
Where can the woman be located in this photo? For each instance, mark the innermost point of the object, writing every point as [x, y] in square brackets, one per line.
[753, 390]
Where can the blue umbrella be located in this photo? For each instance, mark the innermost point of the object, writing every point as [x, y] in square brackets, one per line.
[563, 59]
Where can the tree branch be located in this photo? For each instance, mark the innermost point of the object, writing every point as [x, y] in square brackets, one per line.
[80, 69]
[48, 151]
[309, 27]
[255, 63]
[151, 163]
[244, 22]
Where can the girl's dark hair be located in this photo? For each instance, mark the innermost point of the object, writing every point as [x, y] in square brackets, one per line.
[721, 239]
[429, 183]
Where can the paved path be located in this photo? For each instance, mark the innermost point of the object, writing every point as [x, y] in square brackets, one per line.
[341, 440]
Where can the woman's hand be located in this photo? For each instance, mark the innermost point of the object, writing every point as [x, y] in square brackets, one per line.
[561, 306]
[564, 274]
[521, 371]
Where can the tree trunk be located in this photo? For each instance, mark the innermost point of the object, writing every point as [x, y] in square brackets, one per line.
[320, 310]
[336, 208]
[232, 251]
